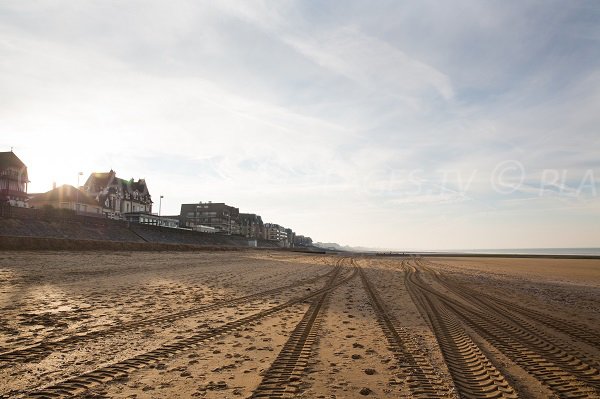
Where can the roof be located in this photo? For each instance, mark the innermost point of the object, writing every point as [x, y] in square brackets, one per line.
[101, 180]
[210, 205]
[9, 159]
[251, 216]
[132, 185]
[274, 225]
[64, 193]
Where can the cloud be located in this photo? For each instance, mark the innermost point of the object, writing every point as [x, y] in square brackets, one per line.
[314, 115]
[373, 64]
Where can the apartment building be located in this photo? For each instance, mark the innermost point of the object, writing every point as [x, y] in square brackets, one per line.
[218, 215]
[251, 225]
[275, 232]
[302, 241]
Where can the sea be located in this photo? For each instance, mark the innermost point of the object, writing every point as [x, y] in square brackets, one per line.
[534, 251]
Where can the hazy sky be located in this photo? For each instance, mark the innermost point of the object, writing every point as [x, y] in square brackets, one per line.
[400, 124]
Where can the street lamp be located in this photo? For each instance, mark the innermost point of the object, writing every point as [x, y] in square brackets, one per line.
[77, 193]
[159, 206]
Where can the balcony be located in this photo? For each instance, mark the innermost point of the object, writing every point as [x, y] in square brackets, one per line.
[13, 175]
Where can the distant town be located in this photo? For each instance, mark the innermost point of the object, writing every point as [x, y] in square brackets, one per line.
[105, 195]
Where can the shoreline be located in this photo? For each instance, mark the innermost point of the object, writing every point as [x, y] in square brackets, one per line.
[486, 255]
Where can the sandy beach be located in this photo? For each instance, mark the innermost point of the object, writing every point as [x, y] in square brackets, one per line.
[282, 324]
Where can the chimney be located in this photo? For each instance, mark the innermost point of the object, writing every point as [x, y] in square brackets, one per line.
[53, 185]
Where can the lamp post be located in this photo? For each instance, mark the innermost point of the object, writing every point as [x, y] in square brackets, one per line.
[77, 193]
[159, 209]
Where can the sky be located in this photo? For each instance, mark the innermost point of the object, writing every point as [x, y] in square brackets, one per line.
[388, 124]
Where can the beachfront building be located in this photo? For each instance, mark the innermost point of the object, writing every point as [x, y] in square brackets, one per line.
[251, 225]
[13, 180]
[151, 219]
[275, 232]
[118, 196]
[302, 241]
[67, 197]
[218, 215]
[204, 229]
[290, 236]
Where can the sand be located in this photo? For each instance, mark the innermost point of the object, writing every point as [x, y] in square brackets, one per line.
[228, 324]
